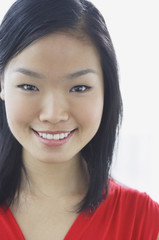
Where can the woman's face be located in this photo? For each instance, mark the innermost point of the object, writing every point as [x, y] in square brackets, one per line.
[53, 93]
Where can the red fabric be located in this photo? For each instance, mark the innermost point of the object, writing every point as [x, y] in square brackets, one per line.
[126, 214]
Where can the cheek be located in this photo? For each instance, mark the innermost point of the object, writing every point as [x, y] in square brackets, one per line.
[17, 111]
[90, 113]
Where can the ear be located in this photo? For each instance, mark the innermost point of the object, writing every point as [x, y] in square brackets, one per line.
[2, 90]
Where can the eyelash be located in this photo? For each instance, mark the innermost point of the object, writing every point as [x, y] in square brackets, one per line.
[28, 87]
[80, 88]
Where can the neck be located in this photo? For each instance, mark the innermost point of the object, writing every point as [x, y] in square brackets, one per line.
[55, 180]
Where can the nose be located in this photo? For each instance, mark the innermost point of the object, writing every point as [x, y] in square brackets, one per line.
[54, 109]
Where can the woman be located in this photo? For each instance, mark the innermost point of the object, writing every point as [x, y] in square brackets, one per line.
[60, 113]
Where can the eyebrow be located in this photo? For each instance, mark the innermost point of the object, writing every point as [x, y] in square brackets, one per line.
[77, 74]
[81, 73]
[29, 73]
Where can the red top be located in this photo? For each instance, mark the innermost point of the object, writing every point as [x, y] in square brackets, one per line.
[126, 214]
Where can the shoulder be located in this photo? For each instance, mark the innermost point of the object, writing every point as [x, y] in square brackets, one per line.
[125, 214]
[128, 196]
[133, 209]
[9, 228]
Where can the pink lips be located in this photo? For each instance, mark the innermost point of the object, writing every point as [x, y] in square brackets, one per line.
[53, 142]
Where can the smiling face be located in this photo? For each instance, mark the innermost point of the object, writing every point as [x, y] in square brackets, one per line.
[53, 93]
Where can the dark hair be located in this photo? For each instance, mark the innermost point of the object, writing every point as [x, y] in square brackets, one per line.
[25, 22]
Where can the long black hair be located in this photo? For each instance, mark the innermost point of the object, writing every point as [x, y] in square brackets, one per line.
[25, 22]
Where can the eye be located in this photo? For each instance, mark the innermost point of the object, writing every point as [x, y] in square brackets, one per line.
[28, 87]
[80, 88]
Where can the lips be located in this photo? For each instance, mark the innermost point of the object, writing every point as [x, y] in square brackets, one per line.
[54, 138]
[57, 136]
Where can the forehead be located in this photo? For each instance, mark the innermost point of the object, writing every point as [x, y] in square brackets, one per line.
[58, 52]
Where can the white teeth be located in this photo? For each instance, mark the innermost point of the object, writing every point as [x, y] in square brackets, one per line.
[56, 136]
[66, 134]
[62, 135]
[53, 136]
[49, 136]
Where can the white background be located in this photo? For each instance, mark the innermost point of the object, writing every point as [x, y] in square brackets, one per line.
[134, 28]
